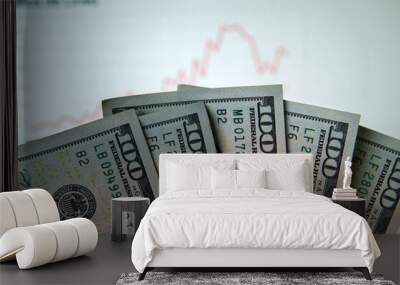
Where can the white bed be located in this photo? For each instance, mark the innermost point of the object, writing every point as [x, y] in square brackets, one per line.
[249, 227]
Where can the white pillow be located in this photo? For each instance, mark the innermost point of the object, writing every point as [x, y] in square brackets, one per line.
[281, 174]
[226, 179]
[293, 178]
[182, 177]
[251, 179]
[184, 174]
[223, 179]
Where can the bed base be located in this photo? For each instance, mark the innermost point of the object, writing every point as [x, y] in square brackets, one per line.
[244, 259]
[363, 270]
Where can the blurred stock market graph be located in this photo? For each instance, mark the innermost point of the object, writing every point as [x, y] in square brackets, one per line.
[73, 54]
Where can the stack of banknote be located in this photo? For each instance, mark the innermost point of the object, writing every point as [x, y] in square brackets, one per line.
[116, 156]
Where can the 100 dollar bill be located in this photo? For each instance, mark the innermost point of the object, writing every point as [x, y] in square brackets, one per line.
[183, 130]
[244, 119]
[328, 134]
[83, 168]
[376, 176]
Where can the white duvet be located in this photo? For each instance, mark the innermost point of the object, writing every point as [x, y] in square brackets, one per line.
[250, 219]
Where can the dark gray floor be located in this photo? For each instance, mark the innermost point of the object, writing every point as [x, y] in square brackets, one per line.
[110, 260]
[102, 266]
[389, 263]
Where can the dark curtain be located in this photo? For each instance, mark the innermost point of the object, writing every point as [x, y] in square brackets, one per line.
[8, 97]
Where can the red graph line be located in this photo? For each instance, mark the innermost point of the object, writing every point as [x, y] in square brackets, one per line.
[198, 69]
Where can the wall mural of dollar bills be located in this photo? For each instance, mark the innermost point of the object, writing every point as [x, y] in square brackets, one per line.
[84, 167]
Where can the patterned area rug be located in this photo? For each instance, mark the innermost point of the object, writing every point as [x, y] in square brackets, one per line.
[229, 278]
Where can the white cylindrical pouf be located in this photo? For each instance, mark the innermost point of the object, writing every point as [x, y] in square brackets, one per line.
[23, 208]
[7, 218]
[67, 240]
[33, 246]
[87, 234]
[45, 205]
[40, 247]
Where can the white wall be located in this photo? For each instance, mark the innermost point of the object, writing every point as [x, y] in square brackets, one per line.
[339, 54]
